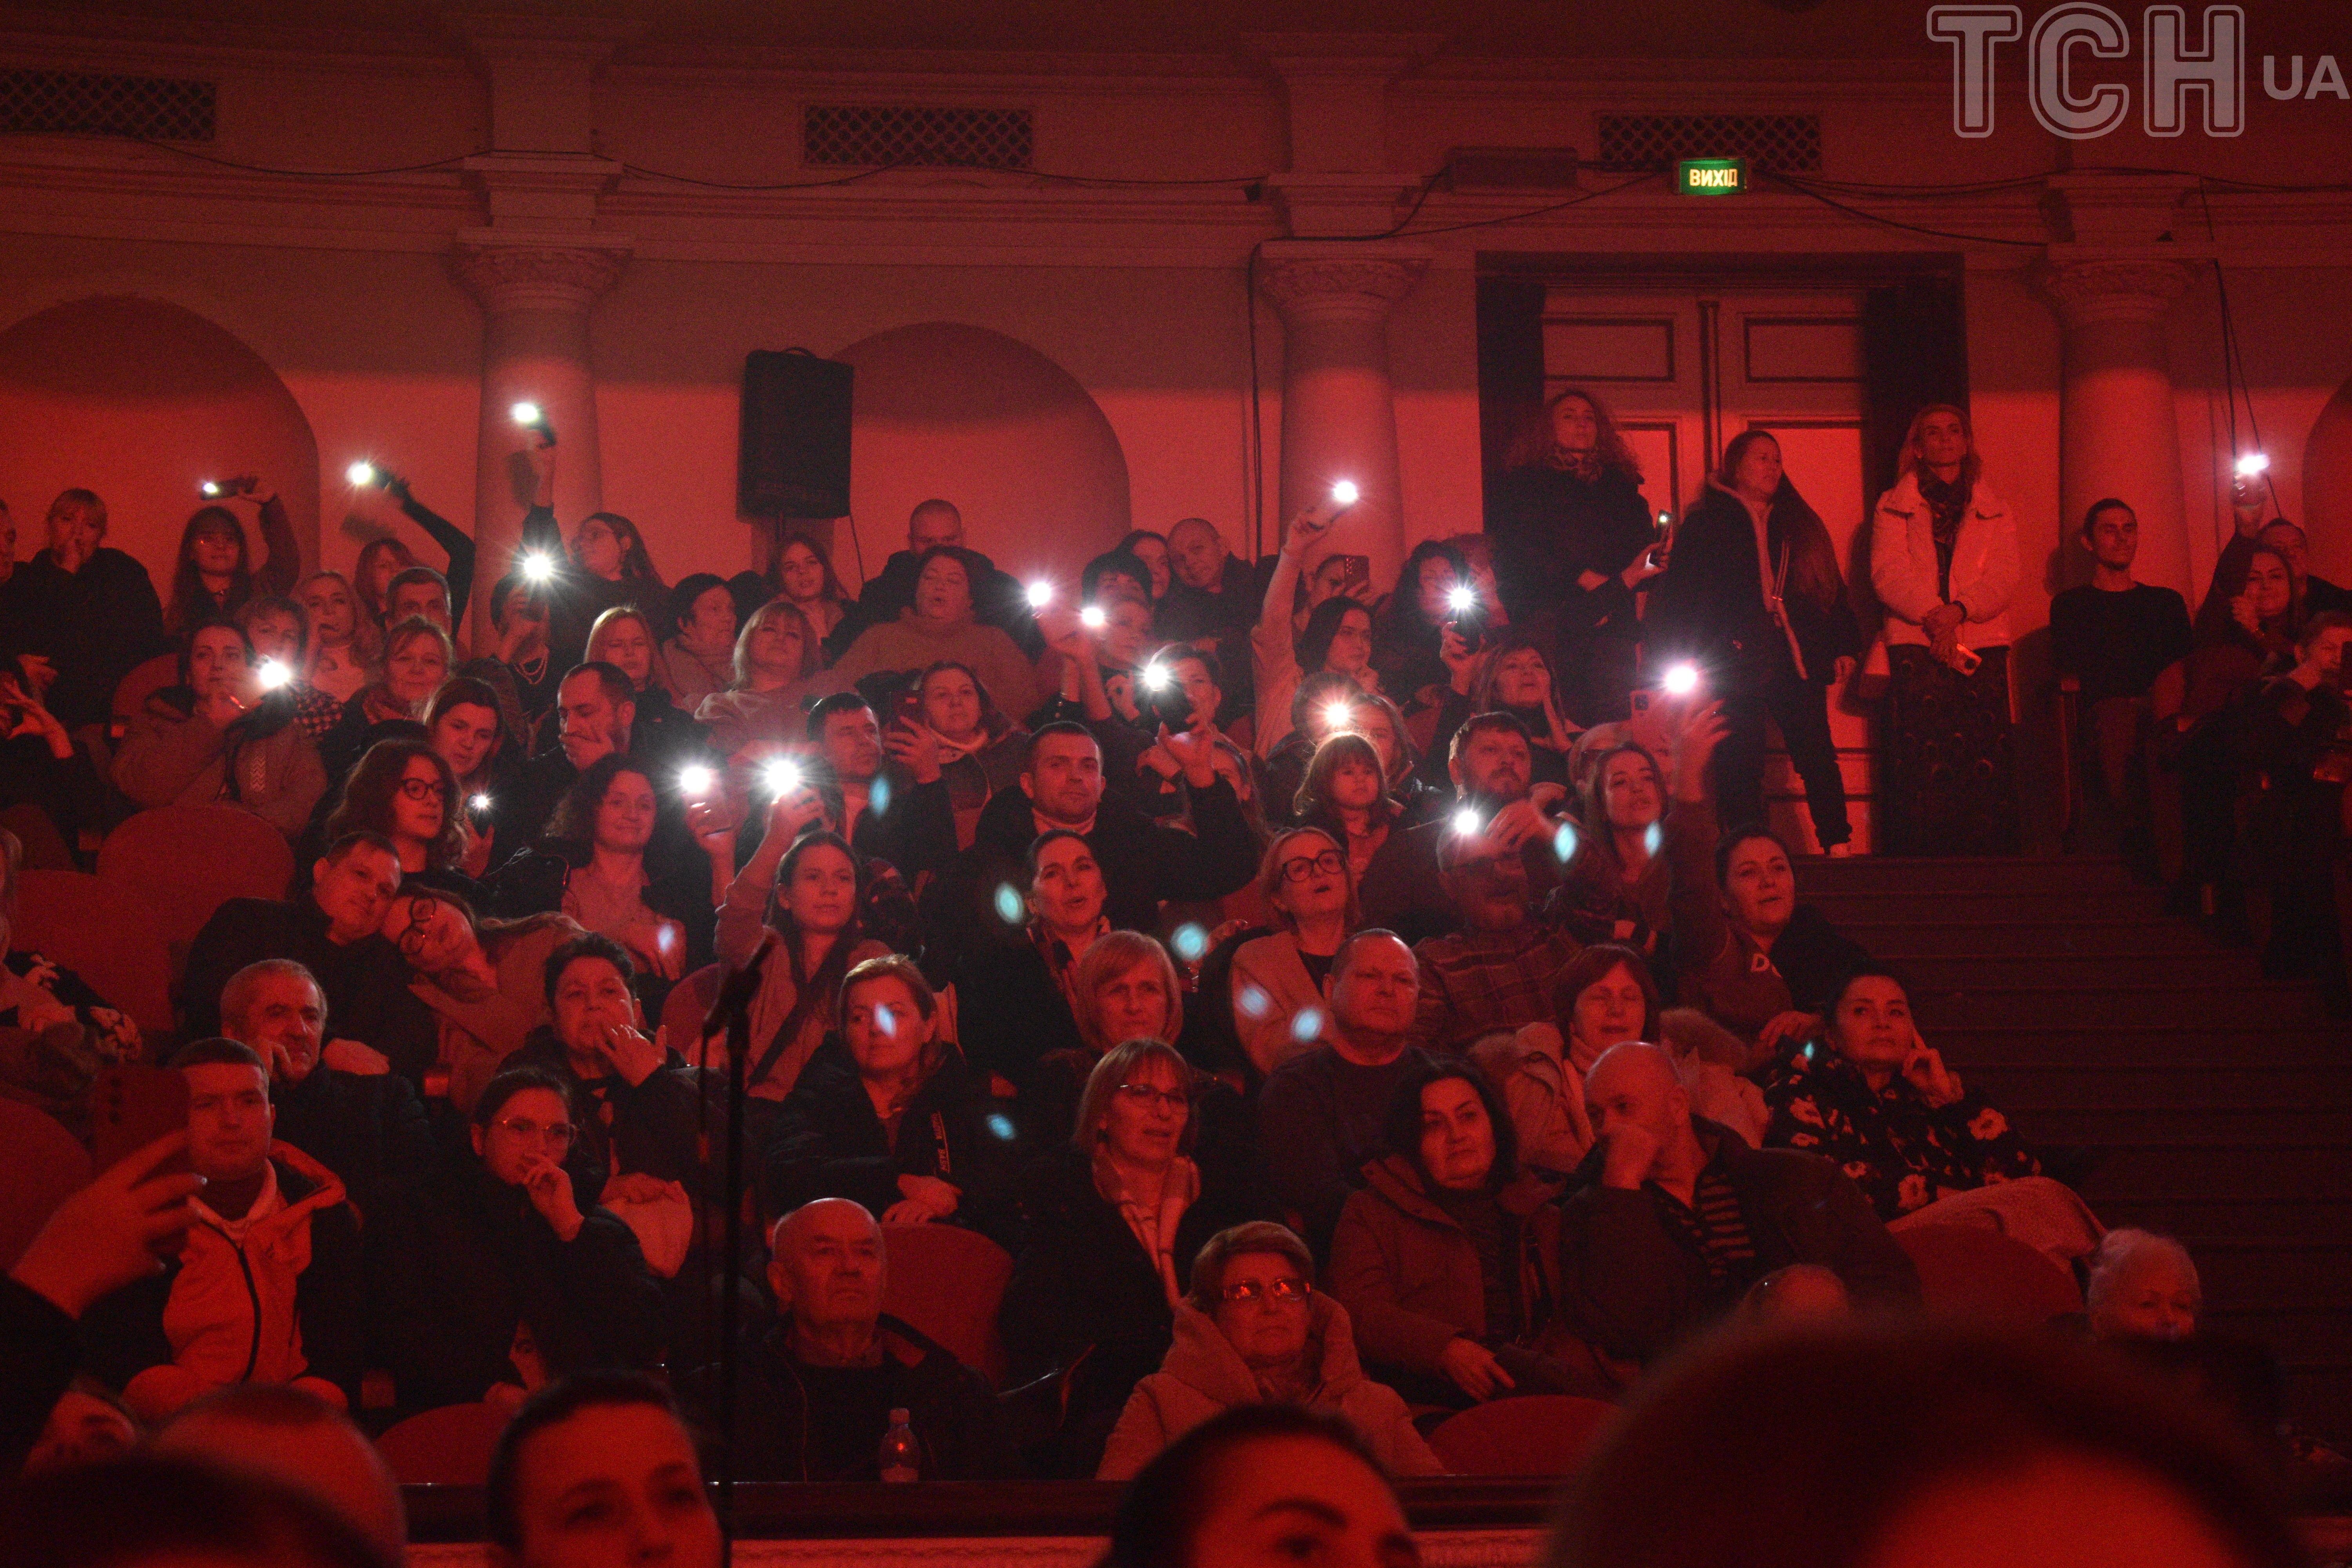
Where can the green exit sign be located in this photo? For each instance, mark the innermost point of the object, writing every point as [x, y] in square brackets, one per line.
[1711, 177]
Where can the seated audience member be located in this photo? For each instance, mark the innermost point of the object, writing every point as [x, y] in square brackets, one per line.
[334, 930]
[1017, 999]
[774, 665]
[888, 1115]
[1900, 1445]
[1124, 987]
[1543, 1097]
[1512, 676]
[87, 1424]
[417, 658]
[337, 663]
[41, 768]
[216, 736]
[1879, 1103]
[2248, 624]
[292, 1436]
[1252, 1330]
[1323, 705]
[1114, 1221]
[333, 1098]
[419, 593]
[664, 735]
[1409, 630]
[1276, 977]
[1297, 635]
[1745, 952]
[2143, 1286]
[805, 888]
[517, 662]
[944, 621]
[279, 631]
[697, 656]
[615, 860]
[820, 1383]
[485, 981]
[596, 715]
[2297, 734]
[1614, 887]
[512, 1283]
[1605, 998]
[802, 577]
[2113, 636]
[1262, 1484]
[1404, 887]
[1502, 969]
[615, 1441]
[53, 1004]
[1117, 573]
[996, 599]
[212, 575]
[1381, 721]
[1346, 794]
[1214, 593]
[266, 1286]
[84, 609]
[979, 750]
[1711, 1060]
[145, 1512]
[1448, 1261]
[1142, 861]
[894, 807]
[2290, 543]
[1679, 1218]
[1157, 783]
[470, 726]
[1323, 1111]
[1151, 549]
[406, 791]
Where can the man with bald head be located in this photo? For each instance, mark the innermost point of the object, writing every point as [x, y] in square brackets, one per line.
[300, 1441]
[820, 1380]
[1676, 1217]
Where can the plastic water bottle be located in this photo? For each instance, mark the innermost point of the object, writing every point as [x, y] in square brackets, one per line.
[900, 1459]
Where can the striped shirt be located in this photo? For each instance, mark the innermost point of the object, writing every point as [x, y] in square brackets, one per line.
[1712, 1223]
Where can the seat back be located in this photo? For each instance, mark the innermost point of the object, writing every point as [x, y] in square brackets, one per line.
[686, 1007]
[448, 1447]
[41, 1165]
[185, 861]
[947, 1281]
[103, 933]
[145, 679]
[1972, 1272]
[1538, 1434]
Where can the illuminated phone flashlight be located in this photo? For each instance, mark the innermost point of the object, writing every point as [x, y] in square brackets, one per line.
[1665, 521]
[1345, 492]
[1093, 618]
[1680, 680]
[1156, 677]
[696, 782]
[1466, 822]
[2253, 463]
[782, 778]
[273, 674]
[1461, 598]
[527, 414]
[360, 473]
[479, 803]
[1338, 715]
[1040, 594]
[211, 490]
[538, 566]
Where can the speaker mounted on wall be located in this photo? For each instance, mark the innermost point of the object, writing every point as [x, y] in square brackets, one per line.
[793, 455]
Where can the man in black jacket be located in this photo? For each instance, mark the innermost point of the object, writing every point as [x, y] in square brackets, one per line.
[332, 931]
[820, 1383]
[1677, 1217]
[997, 598]
[640, 1107]
[1492, 762]
[595, 716]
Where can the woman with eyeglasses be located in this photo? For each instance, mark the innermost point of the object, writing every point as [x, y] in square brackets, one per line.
[406, 791]
[513, 1275]
[1255, 1330]
[1277, 979]
[484, 979]
[1113, 1220]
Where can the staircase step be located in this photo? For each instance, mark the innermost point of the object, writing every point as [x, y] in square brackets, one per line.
[2202, 1225]
[1920, 934]
[2316, 1169]
[1979, 904]
[2207, 968]
[1882, 873]
[2300, 1046]
[2093, 1002]
[2123, 1126]
[2015, 1084]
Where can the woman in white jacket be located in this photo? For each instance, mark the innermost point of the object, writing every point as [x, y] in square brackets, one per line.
[1943, 558]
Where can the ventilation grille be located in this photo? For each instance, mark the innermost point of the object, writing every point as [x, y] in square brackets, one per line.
[161, 109]
[1786, 143]
[854, 135]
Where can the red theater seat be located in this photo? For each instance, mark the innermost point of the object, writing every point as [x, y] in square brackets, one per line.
[947, 1281]
[185, 861]
[144, 681]
[1539, 1435]
[688, 1005]
[41, 1165]
[1971, 1272]
[106, 934]
[449, 1447]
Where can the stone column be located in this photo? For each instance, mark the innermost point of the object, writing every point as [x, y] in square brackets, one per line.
[1338, 420]
[535, 297]
[2117, 434]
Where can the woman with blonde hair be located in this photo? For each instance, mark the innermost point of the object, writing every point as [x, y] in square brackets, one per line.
[777, 658]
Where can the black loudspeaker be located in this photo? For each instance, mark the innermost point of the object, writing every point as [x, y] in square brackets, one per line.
[794, 459]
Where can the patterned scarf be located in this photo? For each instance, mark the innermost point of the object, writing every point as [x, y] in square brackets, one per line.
[1947, 501]
[1585, 466]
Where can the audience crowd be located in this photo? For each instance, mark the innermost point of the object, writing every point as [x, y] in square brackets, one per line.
[1372, 1006]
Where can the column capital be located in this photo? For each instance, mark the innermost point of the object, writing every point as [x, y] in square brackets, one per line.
[1309, 283]
[2089, 285]
[507, 275]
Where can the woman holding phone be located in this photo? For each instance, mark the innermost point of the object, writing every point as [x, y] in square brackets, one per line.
[1312, 621]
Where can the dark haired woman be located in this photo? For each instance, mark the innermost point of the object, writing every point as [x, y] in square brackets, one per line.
[698, 655]
[1614, 887]
[407, 791]
[808, 889]
[1755, 597]
[1514, 676]
[1408, 628]
[217, 737]
[805, 579]
[1151, 549]
[942, 624]
[1309, 623]
[1571, 539]
[1447, 1260]
[604, 566]
[1943, 559]
[980, 750]
[214, 575]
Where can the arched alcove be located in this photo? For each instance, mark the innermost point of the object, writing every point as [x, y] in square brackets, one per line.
[141, 401]
[984, 420]
[2327, 488]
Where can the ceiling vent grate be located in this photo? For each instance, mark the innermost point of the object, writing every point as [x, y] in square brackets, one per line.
[1784, 143]
[870, 136]
[159, 109]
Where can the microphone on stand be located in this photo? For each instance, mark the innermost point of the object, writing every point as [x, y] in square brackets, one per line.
[731, 1012]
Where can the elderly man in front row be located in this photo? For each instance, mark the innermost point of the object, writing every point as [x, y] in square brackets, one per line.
[821, 1382]
[1677, 1216]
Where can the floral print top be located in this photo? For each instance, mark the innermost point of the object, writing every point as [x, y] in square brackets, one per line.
[1903, 1152]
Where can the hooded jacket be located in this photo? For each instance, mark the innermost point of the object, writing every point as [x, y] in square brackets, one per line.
[1203, 1375]
[1709, 604]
